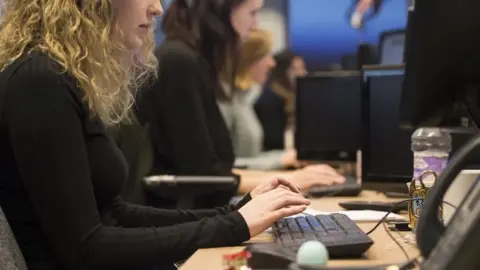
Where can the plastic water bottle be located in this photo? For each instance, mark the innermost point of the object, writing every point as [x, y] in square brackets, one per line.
[431, 149]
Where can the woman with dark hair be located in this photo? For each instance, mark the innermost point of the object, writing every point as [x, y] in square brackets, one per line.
[275, 107]
[188, 131]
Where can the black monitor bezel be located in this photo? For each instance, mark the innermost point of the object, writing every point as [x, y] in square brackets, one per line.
[369, 71]
[329, 155]
[386, 34]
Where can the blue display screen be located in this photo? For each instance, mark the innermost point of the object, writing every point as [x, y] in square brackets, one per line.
[320, 30]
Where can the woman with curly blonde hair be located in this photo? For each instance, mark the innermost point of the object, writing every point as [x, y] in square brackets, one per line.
[68, 70]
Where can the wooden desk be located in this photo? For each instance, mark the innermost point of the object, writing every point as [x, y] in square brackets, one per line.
[383, 251]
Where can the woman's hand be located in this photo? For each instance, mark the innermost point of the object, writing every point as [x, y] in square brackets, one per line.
[289, 159]
[272, 184]
[322, 169]
[266, 208]
[315, 175]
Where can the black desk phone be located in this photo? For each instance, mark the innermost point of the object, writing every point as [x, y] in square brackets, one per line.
[456, 245]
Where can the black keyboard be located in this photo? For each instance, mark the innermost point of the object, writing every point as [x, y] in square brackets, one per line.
[340, 235]
[349, 188]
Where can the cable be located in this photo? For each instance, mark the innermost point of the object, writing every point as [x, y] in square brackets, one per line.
[396, 242]
[410, 264]
[395, 207]
[388, 213]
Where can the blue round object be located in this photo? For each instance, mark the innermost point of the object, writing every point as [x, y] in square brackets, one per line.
[313, 254]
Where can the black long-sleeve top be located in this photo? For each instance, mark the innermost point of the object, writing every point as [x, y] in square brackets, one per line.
[188, 131]
[270, 110]
[60, 176]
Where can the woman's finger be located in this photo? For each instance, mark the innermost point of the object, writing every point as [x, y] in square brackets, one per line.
[289, 200]
[283, 193]
[289, 184]
[339, 179]
[323, 169]
[287, 211]
[324, 180]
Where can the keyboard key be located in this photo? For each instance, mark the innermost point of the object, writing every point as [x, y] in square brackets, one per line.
[328, 223]
[287, 241]
[338, 234]
[299, 242]
[297, 236]
[292, 225]
[315, 224]
[282, 222]
[304, 225]
[309, 237]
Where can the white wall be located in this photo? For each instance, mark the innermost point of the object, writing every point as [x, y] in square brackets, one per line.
[273, 18]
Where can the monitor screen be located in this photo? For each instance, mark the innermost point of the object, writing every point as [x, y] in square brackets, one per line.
[392, 47]
[328, 116]
[437, 29]
[387, 155]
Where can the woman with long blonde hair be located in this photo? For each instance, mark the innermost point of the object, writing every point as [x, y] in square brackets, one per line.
[68, 70]
[252, 70]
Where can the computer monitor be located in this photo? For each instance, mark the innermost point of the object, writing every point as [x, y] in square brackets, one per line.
[443, 54]
[386, 151]
[367, 54]
[328, 116]
[386, 154]
[391, 47]
[442, 59]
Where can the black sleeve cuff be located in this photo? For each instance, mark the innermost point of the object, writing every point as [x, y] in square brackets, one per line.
[243, 201]
[241, 232]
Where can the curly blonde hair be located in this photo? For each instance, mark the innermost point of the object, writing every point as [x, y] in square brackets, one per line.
[79, 38]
